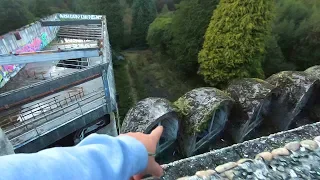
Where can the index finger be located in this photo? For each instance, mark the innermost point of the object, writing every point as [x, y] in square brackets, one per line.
[156, 133]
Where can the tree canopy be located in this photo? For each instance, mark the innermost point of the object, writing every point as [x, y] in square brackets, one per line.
[234, 43]
[189, 25]
[159, 33]
[143, 14]
[297, 28]
[13, 14]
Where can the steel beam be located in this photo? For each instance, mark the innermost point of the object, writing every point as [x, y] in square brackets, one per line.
[42, 56]
[70, 23]
[79, 37]
[39, 143]
[90, 34]
[44, 88]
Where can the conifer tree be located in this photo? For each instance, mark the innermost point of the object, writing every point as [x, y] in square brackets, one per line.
[234, 44]
[143, 14]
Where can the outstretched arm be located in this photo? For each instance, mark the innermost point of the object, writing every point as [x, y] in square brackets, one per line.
[96, 157]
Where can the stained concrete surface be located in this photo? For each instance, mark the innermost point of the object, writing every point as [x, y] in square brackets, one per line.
[248, 149]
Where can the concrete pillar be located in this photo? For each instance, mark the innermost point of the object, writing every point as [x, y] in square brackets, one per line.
[6, 147]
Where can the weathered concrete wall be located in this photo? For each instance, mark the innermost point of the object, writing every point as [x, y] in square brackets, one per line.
[249, 149]
[6, 147]
[30, 38]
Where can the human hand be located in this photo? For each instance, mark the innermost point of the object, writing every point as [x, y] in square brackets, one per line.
[150, 141]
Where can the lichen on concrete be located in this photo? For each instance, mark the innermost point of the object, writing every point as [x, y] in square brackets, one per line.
[314, 71]
[197, 106]
[252, 102]
[249, 149]
[294, 91]
[146, 114]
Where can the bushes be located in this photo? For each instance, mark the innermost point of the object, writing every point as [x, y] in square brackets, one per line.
[189, 25]
[297, 28]
[159, 33]
[234, 44]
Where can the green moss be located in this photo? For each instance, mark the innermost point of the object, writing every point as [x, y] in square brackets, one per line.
[259, 80]
[185, 108]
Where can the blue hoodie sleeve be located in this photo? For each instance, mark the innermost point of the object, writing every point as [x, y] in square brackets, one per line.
[96, 157]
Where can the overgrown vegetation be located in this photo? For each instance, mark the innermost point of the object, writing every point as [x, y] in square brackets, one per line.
[296, 31]
[189, 25]
[153, 79]
[143, 13]
[13, 14]
[159, 33]
[218, 39]
[124, 88]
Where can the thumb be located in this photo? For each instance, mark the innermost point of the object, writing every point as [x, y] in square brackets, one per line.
[156, 133]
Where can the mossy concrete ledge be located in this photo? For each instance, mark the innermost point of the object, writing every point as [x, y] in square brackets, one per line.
[197, 109]
[146, 114]
[295, 91]
[252, 103]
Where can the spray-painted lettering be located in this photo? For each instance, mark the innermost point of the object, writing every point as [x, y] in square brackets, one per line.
[79, 16]
[1, 78]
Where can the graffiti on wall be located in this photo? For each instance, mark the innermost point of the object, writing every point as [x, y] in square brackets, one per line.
[36, 45]
[8, 68]
[2, 76]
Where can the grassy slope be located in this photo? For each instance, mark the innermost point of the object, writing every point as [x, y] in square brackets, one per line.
[142, 75]
[152, 78]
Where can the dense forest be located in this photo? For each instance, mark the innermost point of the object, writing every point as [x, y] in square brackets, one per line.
[209, 41]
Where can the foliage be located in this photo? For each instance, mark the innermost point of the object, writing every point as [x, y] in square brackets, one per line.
[189, 25]
[13, 14]
[42, 8]
[297, 28]
[152, 78]
[234, 44]
[129, 2]
[114, 14]
[123, 87]
[274, 61]
[143, 14]
[159, 33]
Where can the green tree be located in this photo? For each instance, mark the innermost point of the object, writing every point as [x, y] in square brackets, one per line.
[13, 14]
[234, 43]
[274, 61]
[129, 2]
[189, 25]
[297, 30]
[81, 6]
[143, 14]
[114, 14]
[159, 33]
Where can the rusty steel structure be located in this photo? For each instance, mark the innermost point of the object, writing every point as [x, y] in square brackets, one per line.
[75, 88]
